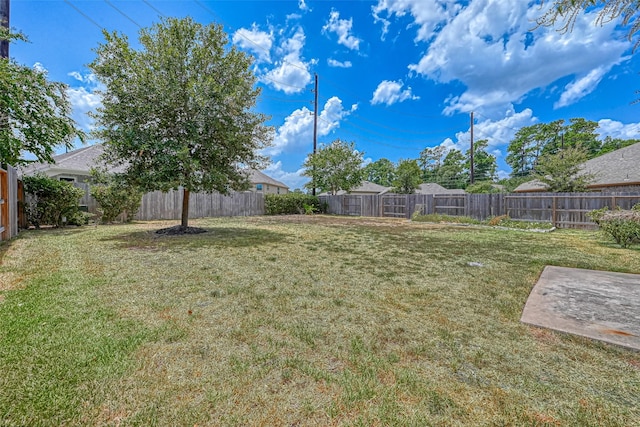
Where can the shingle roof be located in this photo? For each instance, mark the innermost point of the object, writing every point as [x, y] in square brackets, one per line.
[257, 177]
[83, 159]
[80, 161]
[619, 167]
[433, 188]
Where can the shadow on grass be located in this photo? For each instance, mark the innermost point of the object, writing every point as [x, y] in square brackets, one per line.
[227, 237]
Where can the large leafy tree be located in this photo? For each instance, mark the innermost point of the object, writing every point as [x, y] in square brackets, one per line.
[452, 173]
[563, 14]
[334, 167]
[408, 177]
[381, 172]
[484, 164]
[178, 111]
[527, 145]
[34, 113]
[611, 144]
[430, 161]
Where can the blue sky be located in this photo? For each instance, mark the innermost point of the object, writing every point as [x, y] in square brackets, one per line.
[395, 76]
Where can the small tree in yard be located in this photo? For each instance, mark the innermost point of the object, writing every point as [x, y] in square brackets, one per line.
[115, 196]
[334, 167]
[177, 112]
[561, 171]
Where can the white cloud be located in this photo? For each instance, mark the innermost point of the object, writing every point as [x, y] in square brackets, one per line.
[615, 129]
[428, 15]
[303, 5]
[297, 130]
[489, 46]
[389, 92]
[292, 179]
[342, 28]
[84, 98]
[292, 73]
[40, 68]
[496, 132]
[580, 88]
[335, 63]
[256, 41]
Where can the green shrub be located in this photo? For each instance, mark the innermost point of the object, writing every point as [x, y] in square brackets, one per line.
[291, 203]
[597, 214]
[49, 201]
[622, 225]
[115, 196]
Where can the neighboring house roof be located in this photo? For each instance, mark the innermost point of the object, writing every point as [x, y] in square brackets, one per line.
[433, 188]
[257, 177]
[617, 168]
[366, 188]
[77, 162]
[80, 162]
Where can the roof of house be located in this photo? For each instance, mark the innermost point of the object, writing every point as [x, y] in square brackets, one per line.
[619, 167]
[81, 161]
[257, 177]
[365, 187]
[433, 188]
[78, 161]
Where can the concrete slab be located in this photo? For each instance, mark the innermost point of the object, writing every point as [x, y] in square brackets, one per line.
[596, 304]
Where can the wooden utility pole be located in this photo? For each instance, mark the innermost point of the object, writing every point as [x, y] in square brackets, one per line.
[315, 130]
[471, 159]
[4, 22]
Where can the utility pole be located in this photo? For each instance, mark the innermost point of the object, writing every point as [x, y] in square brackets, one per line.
[4, 22]
[471, 159]
[315, 129]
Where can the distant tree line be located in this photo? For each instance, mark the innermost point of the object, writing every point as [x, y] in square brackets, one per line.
[550, 152]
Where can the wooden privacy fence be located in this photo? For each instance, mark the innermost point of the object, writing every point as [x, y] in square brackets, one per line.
[564, 210]
[158, 205]
[8, 203]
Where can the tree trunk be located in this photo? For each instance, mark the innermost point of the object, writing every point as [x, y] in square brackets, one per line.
[185, 208]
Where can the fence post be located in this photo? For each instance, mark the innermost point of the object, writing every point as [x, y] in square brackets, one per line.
[553, 210]
[613, 202]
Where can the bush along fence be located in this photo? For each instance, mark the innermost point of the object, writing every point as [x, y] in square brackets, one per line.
[9, 203]
[564, 210]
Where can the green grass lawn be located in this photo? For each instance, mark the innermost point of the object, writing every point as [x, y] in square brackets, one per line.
[304, 320]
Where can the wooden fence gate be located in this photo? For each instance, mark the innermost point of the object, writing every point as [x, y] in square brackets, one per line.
[394, 206]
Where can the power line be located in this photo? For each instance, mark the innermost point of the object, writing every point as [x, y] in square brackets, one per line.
[152, 7]
[122, 13]
[85, 15]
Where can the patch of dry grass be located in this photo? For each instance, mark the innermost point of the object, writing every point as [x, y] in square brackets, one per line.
[309, 321]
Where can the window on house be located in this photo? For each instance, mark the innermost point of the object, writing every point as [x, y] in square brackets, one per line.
[278, 190]
[258, 187]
